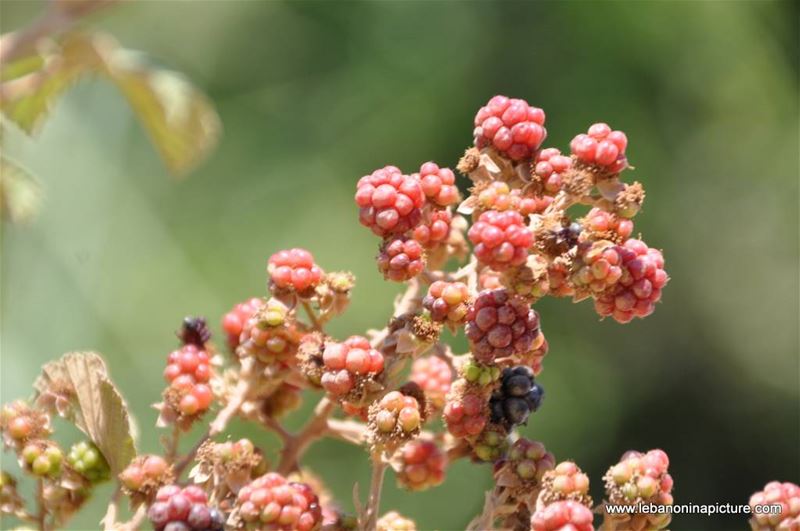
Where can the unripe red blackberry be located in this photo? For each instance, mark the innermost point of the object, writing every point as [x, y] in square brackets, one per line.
[389, 201]
[434, 377]
[601, 147]
[270, 502]
[566, 482]
[184, 509]
[527, 460]
[535, 356]
[448, 302]
[787, 495]
[145, 475]
[348, 365]
[394, 521]
[270, 335]
[235, 320]
[640, 478]
[500, 197]
[43, 458]
[558, 279]
[548, 167]
[517, 397]
[420, 465]
[87, 460]
[565, 515]
[510, 126]
[598, 266]
[294, 270]
[395, 418]
[499, 325]
[465, 414]
[188, 372]
[601, 225]
[492, 443]
[530, 280]
[20, 423]
[434, 229]
[639, 288]
[400, 258]
[501, 239]
[438, 184]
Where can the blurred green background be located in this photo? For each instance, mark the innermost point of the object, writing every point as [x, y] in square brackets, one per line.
[314, 95]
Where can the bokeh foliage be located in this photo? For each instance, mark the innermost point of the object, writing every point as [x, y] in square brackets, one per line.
[313, 95]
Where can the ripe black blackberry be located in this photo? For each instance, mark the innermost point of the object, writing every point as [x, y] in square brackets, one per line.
[194, 331]
[517, 397]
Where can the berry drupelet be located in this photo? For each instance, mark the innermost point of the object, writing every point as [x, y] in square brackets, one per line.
[517, 397]
[347, 364]
[563, 516]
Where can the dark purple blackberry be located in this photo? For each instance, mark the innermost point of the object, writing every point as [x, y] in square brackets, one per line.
[194, 331]
[517, 397]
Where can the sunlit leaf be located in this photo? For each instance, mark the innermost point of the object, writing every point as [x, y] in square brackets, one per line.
[180, 120]
[20, 192]
[97, 407]
[21, 67]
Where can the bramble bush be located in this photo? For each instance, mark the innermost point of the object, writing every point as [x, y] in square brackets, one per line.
[477, 264]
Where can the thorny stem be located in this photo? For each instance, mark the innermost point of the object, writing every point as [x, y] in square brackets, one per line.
[312, 316]
[181, 465]
[297, 444]
[109, 521]
[172, 444]
[376, 485]
[41, 516]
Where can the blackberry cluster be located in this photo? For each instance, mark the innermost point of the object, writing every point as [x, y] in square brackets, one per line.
[294, 270]
[421, 465]
[186, 509]
[271, 502]
[235, 320]
[448, 302]
[396, 417]
[20, 423]
[188, 372]
[465, 415]
[438, 184]
[348, 364]
[601, 225]
[270, 335]
[500, 325]
[548, 167]
[434, 377]
[434, 229]
[86, 460]
[601, 147]
[499, 196]
[390, 202]
[394, 521]
[146, 474]
[517, 397]
[43, 458]
[501, 239]
[194, 331]
[510, 126]
[400, 258]
[787, 495]
[565, 515]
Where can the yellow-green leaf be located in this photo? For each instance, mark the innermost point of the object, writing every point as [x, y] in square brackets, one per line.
[20, 192]
[97, 407]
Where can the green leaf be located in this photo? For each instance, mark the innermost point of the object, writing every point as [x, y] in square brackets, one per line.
[97, 407]
[21, 67]
[180, 119]
[20, 193]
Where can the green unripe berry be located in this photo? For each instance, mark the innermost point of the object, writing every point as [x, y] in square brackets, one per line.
[472, 372]
[54, 455]
[41, 466]
[485, 377]
[30, 453]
